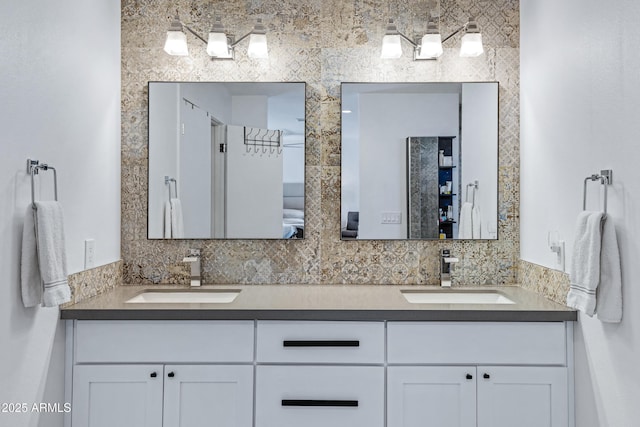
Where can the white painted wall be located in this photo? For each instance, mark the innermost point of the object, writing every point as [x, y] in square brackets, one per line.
[479, 142]
[580, 98]
[250, 111]
[60, 93]
[383, 133]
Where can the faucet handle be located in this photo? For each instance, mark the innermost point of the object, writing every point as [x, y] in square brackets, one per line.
[194, 255]
[446, 256]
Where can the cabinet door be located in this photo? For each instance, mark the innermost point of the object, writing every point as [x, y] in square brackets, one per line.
[438, 396]
[522, 396]
[117, 395]
[208, 396]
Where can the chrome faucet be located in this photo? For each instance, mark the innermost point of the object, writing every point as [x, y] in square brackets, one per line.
[194, 258]
[445, 267]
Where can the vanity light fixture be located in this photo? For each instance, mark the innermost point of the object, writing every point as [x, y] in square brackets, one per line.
[430, 46]
[220, 45]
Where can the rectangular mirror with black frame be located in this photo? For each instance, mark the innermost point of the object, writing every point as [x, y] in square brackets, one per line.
[419, 160]
[226, 160]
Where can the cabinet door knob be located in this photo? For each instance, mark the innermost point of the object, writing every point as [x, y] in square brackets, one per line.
[171, 374]
[153, 374]
[469, 376]
[486, 376]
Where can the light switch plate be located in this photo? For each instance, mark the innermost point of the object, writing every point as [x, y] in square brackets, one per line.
[391, 218]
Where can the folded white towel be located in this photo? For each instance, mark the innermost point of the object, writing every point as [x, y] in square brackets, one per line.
[465, 227]
[609, 294]
[30, 279]
[584, 270]
[177, 223]
[52, 255]
[49, 283]
[596, 279]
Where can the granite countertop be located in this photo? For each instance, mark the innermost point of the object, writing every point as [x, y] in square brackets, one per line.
[319, 302]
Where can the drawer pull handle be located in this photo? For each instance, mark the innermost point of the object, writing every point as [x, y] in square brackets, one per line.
[313, 402]
[469, 376]
[486, 376]
[320, 343]
[171, 374]
[153, 374]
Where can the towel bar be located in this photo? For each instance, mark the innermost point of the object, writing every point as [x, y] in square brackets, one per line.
[33, 168]
[605, 178]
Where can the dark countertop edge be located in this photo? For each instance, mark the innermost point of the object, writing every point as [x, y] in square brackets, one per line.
[330, 315]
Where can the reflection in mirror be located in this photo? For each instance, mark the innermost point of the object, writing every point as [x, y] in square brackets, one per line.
[226, 160]
[419, 160]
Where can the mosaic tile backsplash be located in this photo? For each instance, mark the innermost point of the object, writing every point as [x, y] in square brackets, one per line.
[324, 43]
[95, 281]
[550, 283]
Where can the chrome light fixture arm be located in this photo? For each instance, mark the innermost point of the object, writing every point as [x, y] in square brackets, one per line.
[193, 32]
[462, 28]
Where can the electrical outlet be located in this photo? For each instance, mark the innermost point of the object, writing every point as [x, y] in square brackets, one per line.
[89, 253]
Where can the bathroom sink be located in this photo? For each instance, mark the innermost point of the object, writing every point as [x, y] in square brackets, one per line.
[186, 297]
[456, 297]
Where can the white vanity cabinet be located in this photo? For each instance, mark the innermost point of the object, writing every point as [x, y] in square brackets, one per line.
[461, 374]
[162, 373]
[318, 374]
[266, 373]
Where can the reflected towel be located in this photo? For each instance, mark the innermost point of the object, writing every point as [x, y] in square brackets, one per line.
[49, 283]
[177, 223]
[476, 221]
[596, 280]
[465, 228]
[167, 219]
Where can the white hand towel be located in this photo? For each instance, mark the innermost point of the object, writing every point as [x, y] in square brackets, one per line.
[30, 279]
[609, 294]
[52, 256]
[476, 221]
[177, 223]
[584, 270]
[167, 219]
[44, 259]
[465, 227]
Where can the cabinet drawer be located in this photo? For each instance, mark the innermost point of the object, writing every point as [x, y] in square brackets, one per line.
[320, 396]
[523, 343]
[320, 342]
[163, 341]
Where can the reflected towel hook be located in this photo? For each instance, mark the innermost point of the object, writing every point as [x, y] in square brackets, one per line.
[474, 185]
[167, 181]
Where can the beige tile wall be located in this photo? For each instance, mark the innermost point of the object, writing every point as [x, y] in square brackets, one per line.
[321, 42]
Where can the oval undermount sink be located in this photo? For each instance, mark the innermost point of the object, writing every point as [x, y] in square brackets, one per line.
[453, 297]
[185, 297]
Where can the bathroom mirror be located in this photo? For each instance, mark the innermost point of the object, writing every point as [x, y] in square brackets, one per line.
[226, 160]
[419, 160]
